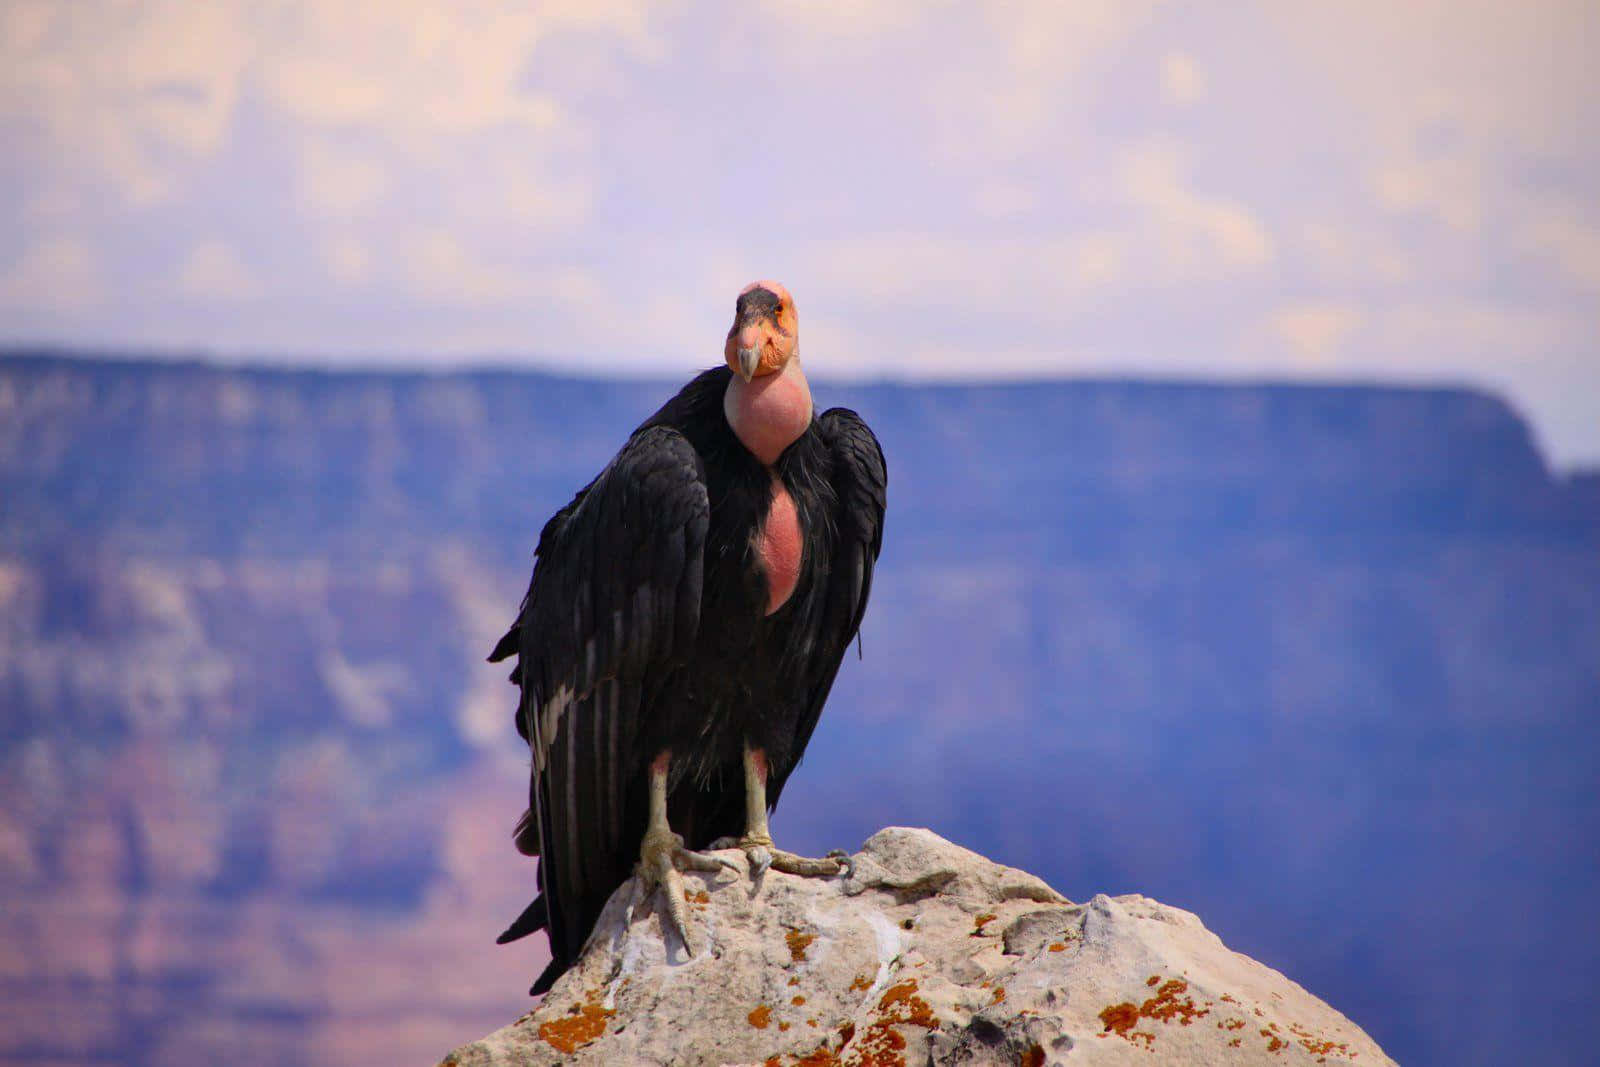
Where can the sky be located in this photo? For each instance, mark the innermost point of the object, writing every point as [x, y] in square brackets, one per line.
[1360, 190]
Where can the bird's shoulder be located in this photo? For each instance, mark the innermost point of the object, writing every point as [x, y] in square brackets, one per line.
[860, 470]
[656, 479]
[697, 406]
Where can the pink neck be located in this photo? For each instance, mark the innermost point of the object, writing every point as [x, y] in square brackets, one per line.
[769, 413]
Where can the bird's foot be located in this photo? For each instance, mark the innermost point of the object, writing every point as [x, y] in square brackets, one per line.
[761, 853]
[661, 859]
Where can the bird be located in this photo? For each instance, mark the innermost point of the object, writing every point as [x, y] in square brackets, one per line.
[687, 615]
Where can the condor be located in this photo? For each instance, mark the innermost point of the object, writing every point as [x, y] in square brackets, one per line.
[686, 619]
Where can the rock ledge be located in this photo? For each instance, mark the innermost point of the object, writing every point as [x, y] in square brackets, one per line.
[929, 953]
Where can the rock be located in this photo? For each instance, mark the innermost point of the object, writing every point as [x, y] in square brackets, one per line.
[927, 953]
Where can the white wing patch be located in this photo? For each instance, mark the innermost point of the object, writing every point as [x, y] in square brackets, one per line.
[545, 725]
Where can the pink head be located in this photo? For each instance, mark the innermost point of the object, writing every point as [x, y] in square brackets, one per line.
[765, 332]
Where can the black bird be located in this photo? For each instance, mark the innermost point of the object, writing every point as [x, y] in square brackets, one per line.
[686, 618]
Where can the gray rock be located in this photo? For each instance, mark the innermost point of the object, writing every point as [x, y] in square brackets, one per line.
[928, 953]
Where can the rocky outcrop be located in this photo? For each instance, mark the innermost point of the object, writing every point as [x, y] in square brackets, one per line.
[926, 953]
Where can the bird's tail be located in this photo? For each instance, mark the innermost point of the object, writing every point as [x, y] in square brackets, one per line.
[534, 917]
[548, 976]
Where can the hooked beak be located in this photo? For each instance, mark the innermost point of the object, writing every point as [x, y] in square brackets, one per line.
[749, 358]
[747, 341]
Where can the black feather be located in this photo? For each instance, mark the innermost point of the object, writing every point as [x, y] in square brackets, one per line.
[644, 629]
[533, 919]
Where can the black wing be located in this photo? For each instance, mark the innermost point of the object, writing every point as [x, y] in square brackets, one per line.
[860, 482]
[614, 606]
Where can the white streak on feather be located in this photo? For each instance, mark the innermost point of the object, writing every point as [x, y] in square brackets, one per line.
[547, 722]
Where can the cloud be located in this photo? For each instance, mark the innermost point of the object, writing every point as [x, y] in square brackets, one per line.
[1181, 80]
[337, 181]
[830, 20]
[1045, 48]
[1433, 335]
[437, 267]
[1314, 332]
[974, 188]
[56, 274]
[135, 91]
[1351, 255]
[213, 271]
[1448, 189]
[347, 260]
[1000, 199]
[1198, 233]
[1493, 73]
[144, 91]
[1571, 243]
[411, 69]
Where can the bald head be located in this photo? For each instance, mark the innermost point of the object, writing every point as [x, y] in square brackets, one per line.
[765, 332]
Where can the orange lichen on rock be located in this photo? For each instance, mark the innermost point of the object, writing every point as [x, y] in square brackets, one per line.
[981, 921]
[798, 1000]
[882, 1044]
[582, 1024]
[903, 996]
[760, 1017]
[1057, 946]
[1322, 1048]
[861, 982]
[1120, 1018]
[1153, 979]
[1274, 1042]
[822, 1055]
[798, 943]
[1034, 1057]
[1165, 1006]
[999, 994]
[783, 1027]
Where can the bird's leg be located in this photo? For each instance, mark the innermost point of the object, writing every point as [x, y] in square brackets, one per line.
[662, 856]
[757, 839]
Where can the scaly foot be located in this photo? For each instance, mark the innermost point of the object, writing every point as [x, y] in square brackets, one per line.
[758, 848]
[661, 858]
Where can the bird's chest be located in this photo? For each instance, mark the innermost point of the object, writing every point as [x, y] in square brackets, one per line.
[779, 546]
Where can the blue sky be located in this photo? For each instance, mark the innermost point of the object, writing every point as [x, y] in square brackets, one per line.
[1360, 190]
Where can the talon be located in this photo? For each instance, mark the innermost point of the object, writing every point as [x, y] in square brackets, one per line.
[760, 859]
[847, 866]
[700, 861]
[661, 859]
